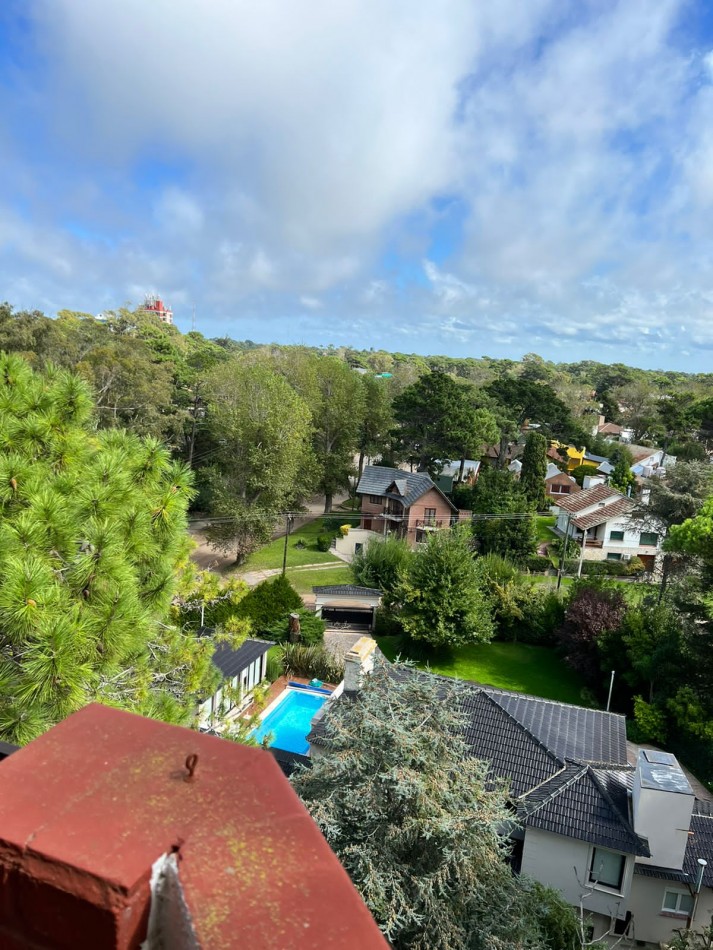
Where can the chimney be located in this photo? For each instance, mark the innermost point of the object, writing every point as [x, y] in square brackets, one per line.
[120, 833]
[358, 663]
[663, 805]
[295, 629]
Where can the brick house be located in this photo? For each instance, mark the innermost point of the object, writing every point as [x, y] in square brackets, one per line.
[406, 504]
[559, 483]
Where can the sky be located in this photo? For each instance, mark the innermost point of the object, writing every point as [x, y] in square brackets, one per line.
[454, 177]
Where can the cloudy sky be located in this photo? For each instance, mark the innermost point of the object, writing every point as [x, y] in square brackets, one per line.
[453, 177]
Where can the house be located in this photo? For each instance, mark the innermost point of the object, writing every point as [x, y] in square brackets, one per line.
[647, 460]
[407, 505]
[116, 829]
[558, 483]
[621, 837]
[611, 431]
[347, 604]
[241, 669]
[601, 518]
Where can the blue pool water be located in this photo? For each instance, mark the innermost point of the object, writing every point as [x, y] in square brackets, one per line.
[290, 720]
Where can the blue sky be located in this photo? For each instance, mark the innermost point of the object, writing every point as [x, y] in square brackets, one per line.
[452, 178]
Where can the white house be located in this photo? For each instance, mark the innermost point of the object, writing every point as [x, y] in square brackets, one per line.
[242, 669]
[600, 518]
[628, 842]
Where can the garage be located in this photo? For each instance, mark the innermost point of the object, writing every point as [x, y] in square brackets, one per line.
[348, 606]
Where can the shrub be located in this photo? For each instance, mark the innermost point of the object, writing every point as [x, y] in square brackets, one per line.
[268, 602]
[273, 667]
[536, 564]
[387, 624]
[544, 619]
[324, 542]
[635, 567]
[311, 627]
[311, 662]
[344, 530]
[382, 564]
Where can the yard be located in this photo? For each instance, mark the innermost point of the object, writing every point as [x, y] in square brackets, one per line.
[303, 580]
[543, 526]
[301, 549]
[513, 666]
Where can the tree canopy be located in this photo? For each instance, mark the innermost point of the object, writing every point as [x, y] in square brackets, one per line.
[93, 529]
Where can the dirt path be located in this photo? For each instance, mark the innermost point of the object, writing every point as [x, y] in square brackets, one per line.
[208, 559]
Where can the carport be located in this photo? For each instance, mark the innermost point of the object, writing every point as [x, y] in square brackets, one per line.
[346, 605]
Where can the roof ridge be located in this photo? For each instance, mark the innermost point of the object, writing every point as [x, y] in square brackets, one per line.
[560, 788]
[615, 808]
[542, 699]
[527, 731]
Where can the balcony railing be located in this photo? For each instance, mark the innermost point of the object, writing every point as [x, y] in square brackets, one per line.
[427, 523]
[593, 543]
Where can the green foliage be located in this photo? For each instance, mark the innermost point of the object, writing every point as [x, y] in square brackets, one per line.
[581, 471]
[622, 478]
[381, 564]
[311, 662]
[439, 422]
[497, 492]
[692, 939]
[534, 469]
[311, 627]
[93, 533]
[273, 666]
[442, 597]
[268, 602]
[535, 564]
[424, 843]
[649, 724]
[204, 597]
[324, 542]
[262, 459]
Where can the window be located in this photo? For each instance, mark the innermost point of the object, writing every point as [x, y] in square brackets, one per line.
[613, 557]
[616, 535]
[429, 515]
[649, 538]
[677, 902]
[376, 499]
[607, 868]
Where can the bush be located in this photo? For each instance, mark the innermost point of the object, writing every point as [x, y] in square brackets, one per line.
[382, 564]
[273, 667]
[311, 627]
[344, 530]
[324, 542]
[536, 564]
[387, 624]
[546, 617]
[311, 662]
[268, 602]
[605, 568]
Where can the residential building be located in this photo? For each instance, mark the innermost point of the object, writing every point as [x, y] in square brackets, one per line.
[621, 838]
[611, 431]
[559, 483]
[407, 505]
[600, 518]
[154, 305]
[242, 669]
[115, 830]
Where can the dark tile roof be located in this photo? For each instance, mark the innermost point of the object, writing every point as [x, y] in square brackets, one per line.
[586, 804]
[590, 496]
[570, 732]
[352, 590]
[377, 480]
[232, 662]
[513, 753]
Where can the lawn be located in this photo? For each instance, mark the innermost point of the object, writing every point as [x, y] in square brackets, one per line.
[543, 523]
[270, 555]
[513, 666]
[304, 580]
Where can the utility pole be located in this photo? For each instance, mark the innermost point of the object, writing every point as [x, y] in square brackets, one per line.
[581, 553]
[611, 687]
[564, 551]
[289, 521]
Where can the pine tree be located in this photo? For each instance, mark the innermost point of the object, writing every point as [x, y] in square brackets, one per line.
[534, 470]
[92, 532]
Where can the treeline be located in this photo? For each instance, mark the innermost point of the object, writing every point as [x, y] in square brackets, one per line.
[264, 427]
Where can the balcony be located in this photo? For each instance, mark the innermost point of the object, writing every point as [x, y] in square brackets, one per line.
[593, 543]
[391, 514]
[429, 524]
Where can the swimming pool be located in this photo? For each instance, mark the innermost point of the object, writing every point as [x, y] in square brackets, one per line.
[289, 722]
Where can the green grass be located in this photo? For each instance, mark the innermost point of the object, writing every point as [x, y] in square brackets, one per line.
[304, 580]
[270, 555]
[543, 523]
[513, 666]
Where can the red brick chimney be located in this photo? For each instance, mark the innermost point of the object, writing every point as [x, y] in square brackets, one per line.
[110, 817]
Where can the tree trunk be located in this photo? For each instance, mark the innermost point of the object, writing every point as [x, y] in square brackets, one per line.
[361, 462]
[461, 470]
[503, 452]
[665, 568]
[327, 503]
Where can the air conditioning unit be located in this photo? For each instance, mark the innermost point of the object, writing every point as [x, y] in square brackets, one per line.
[626, 557]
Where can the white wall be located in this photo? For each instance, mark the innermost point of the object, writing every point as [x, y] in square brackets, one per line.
[564, 863]
[646, 901]
[345, 546]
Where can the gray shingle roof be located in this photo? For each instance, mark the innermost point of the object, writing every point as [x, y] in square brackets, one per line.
[377, 480]
[230, 661]
[351, 589]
